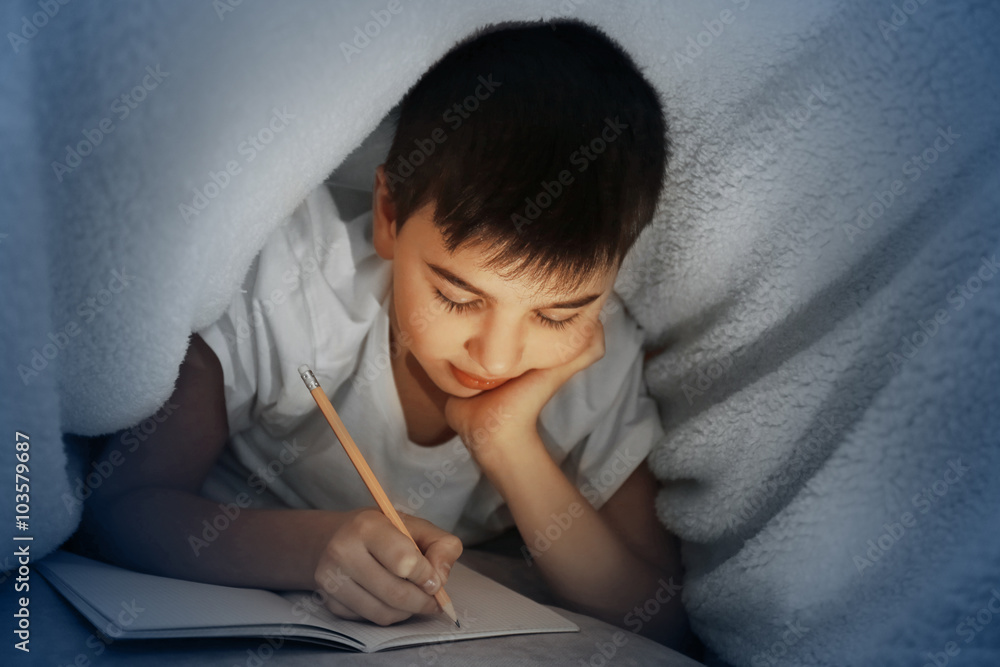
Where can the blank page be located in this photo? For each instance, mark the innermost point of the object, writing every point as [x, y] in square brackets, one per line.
[484, 608]
[138, 602]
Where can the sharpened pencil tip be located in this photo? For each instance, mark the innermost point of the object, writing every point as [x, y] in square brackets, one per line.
[449, 609]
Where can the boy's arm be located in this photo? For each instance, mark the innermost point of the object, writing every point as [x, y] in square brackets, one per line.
[628, 575]
[618, 565]
[147, 516]
[631, 512]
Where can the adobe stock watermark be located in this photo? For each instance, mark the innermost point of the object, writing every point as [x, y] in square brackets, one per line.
[417, 496]
[307, 604]
[455, 116]
[480, 436]
[229, 513]
[223, 7]
[128, 442]
[581, 158]
[381, 18]
[641, 615]
[612, 472]
[813, 443]
[248, 149]
[265, 650]
[899, 17]
[543, 539]
[700, 381]
[792, 119]
[121, 108]
[697, 45]
[913, 169]
[371, 369]
[605, 650]
[925, 330]
[30, 27]
[436, 479]
[636, 619]
[923, 501]
[593, 489]
[567, 349]
[799, 114]
[87, 310]
[267, 474]
[99, 642]
[564, 9]
[292, 279]
[775, 653]
[968, 628]
[431, 654]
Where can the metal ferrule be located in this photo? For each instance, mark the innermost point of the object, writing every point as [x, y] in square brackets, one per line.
[308, 377]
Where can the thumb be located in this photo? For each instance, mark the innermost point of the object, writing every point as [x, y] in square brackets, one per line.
[440, 547]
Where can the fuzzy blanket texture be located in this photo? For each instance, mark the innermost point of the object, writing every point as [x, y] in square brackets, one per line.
[820, 283]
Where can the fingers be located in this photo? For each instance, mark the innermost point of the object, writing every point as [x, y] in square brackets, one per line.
[398, 573]
[441, 549]
[594, 350]
[378, 573]
[374, 579]
[356, 603]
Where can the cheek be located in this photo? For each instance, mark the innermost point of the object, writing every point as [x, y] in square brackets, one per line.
[439, 339]
[411, 308]
[555, 348]
[434, 333]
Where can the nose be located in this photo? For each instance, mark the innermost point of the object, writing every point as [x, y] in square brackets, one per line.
[497, 346]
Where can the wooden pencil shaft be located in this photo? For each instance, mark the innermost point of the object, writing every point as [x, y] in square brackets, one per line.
[368, 477]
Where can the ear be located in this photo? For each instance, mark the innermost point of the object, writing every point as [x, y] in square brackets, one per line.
[383, 216]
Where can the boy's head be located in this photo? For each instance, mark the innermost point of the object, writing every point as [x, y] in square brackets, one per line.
[485, 134]
[536, 152]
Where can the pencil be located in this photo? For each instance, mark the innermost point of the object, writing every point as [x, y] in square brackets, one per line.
[347, 442]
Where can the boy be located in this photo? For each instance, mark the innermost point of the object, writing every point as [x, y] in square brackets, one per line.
[469, 338]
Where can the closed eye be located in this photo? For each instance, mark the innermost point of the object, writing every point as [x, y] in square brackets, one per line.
[455, 306]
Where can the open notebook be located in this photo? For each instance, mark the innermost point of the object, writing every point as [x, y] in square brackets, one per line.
[131, 605]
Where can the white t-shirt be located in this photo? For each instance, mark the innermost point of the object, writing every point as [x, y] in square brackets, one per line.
[318, 294]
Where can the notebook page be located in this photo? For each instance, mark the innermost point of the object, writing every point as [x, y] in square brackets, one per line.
[140, 603]
[484, 608]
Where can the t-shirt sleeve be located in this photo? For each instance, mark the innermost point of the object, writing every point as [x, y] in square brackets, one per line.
[309, 298]
[610, 402]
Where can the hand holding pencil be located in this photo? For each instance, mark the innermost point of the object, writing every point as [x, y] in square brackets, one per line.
[358, 595]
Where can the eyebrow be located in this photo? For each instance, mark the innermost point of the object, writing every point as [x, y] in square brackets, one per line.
[461, 284]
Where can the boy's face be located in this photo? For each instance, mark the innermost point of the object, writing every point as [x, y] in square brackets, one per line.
[499, 328]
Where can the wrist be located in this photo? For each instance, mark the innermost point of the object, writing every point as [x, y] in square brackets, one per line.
[510, 467]
[326, 524]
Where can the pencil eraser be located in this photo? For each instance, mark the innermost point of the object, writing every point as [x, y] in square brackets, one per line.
[303, 369]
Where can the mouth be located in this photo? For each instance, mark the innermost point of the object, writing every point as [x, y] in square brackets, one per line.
[474, 381]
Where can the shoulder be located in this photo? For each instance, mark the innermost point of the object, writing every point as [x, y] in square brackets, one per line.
[316, 238]
[310, 297]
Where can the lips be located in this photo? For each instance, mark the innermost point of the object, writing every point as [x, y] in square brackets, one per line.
[474, 381]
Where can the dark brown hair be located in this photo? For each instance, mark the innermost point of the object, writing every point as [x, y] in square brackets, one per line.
[542, 141]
